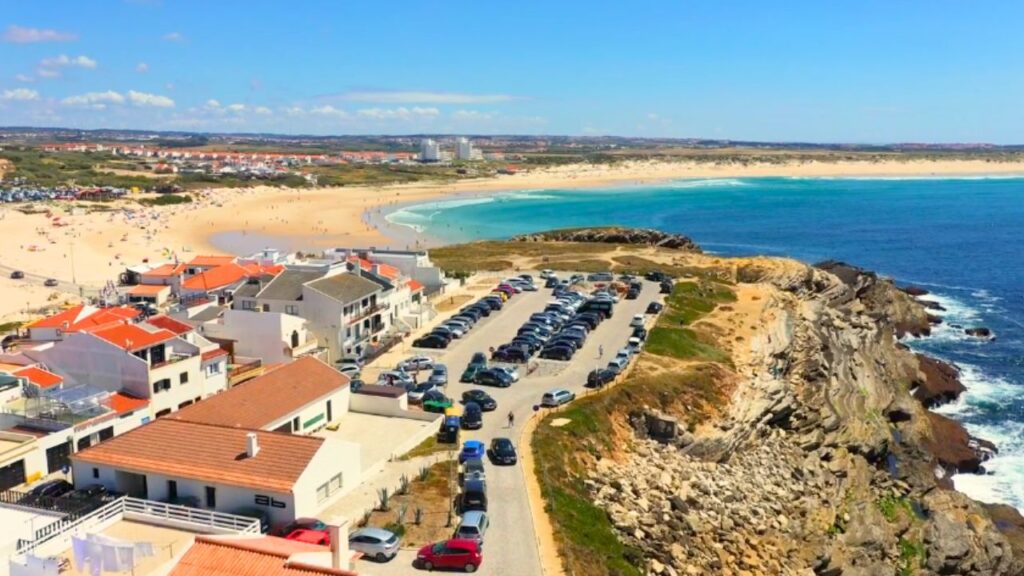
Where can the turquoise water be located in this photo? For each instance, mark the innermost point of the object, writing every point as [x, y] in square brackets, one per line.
[961, 238]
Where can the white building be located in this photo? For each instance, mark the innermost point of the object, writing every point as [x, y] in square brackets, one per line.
[430, 150]
[463, 149]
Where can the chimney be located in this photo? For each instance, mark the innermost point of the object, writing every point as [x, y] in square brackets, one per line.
[252, 445]
[340, 554]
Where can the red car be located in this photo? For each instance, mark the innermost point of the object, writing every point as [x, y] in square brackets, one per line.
[304, 524]
[321, 537]
[456, 553]
[507, 289]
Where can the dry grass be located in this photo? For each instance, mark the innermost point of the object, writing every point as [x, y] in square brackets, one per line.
[434, 496]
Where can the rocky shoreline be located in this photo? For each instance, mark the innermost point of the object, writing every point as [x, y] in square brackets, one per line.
[615, 235]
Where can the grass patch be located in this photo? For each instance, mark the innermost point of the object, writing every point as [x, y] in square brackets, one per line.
[589, 265]
[688, 302]
[912, 556]
[489, 255]
[166, 200]
[428, 447]
[9, 327]
[682, 343]
[892, 506]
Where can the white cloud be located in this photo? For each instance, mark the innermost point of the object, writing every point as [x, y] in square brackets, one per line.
[424, 97]
[236, 108]
[174, 37]
[20, 94]
[401, 113]
[18, 35]
[262, 111]
[471, 116]
[142, 68]
[24, 78]
[95, 100]
[47, 73]
[151, 100]
[64, 60]
[328, 110]
[294, 111]
[211, 103]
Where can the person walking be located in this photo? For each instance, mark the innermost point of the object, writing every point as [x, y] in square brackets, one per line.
[600, 351]
[511, 419]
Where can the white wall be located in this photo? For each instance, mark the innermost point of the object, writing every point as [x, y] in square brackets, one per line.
[324, 315]
[87, 359]
[265, 335]
[380, 405]
[334, 456]
[339, 407]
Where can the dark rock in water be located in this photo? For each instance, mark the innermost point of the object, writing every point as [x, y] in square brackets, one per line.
[940, 382]
[934, 320]
[980, 332]
[953, 448]
[932, 305]
[914, 290]
[614, 235]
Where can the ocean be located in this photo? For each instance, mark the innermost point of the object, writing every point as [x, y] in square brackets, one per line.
[960, 238]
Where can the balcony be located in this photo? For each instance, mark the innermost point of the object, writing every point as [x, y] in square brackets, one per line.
[238, 373]
[365, 313]
[172, 358]
[303, 349]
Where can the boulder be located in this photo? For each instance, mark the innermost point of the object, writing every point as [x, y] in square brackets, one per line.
[953, 448]
[938, 383]
[980, 332]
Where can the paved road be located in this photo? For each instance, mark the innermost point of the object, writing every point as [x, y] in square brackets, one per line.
[511, 546]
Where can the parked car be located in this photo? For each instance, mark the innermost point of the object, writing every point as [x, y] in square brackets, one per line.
[469, 374]
[557, 352]
[472, 416]
[473, 526]
[640, 333]
[320, 537]
[472, 469]
[87, 492]
[632, 294]
[302, 524]
[456, 330]
[557, 397]
[439, 375]
[618, 364]
[51, 489]
[350, 370]
[502, 451]
[481, 398]
[510, 370]
[394, 378]
[654, 307]
[17, 275]
[471, 449]
[493, 377]
[433, 341]
[418, 391]
[473, 496]
[548, 273]
[666, 287]
[50, 282]
[377, 543]
[637, 321]
[514, 353]
[455, 553]
[634, 344]
[435, 401]
[599, 377]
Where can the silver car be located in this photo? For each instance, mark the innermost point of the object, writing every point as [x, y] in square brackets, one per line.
[439, 375]
[377, 543]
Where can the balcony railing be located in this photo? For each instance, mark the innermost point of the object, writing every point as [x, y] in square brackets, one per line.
[367, 312]
[173, 359]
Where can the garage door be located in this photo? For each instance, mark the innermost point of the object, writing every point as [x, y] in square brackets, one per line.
[12, 475]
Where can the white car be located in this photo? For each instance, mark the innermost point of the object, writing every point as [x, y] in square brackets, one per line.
[637, 321]
[457, 330]
[635, 344]
[510, 370]
[416, 363]
[394, 378]
[350, 370]
[547, 273]
[557, 397]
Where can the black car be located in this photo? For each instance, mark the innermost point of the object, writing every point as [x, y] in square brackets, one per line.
[435, 401]
[492, 377]
[482, 309]
[472, 416]
[473, 496]
[632, 294]
[50, 282]
[17, 275]
[480, 398]
[656, 276]
[564, 341]
[557, 352]
[591, 319]
[88, 492]
[502, 451]
[576, 337]
[495, 302]
[513, 354]
[666, 287]
[640, 332]
[600, 377]
[51, 489]
[430, 341]
[442, 332]
[654, 308]
[551, 282]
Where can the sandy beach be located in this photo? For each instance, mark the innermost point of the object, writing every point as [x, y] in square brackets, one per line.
[93, 248]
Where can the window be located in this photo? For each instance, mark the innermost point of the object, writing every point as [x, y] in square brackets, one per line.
[211, 497]
[214, 368]
[330, 413]
[95, 472]
[184, 404]
[266, 307]
[248, 305]
[291, 309]
[163, 413]
[324, 491]
[183, 378]
[161, 385]
[172, 489]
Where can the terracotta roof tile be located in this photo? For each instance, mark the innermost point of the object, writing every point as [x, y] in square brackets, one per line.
[216, 278]
[175, 448]
[170, 324]
[103, 317]
[211, 260]
[130, 337]
[267, 556]
[414, 285]
[122, 403]
[69, 316]
[148, 289]
[166, 270]
[41, 378]
[267, 398]
[211, 354]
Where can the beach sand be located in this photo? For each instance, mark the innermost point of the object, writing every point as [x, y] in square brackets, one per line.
[101, 244]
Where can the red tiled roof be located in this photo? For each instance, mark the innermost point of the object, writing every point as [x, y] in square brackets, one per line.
[166, 270]
[210, 355]
[147, 289]
[386, 270]
[170, 324]
[414, 285]
[103, 318]
[265, 399]
[69, 316]
[211, 260]
[216, 278]
[130, 337]
[122, 403]
[267, 556]
[179, 449]
[39, 377]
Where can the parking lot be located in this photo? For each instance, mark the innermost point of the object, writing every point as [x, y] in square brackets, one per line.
[510, 544]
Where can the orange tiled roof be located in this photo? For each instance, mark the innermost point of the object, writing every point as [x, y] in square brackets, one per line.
[414, 285]
[131, 337]
[263, 400]
[39, 377]
[170, 324]
[69, 316]
[386, 270]
[211, 354]
[266, 556]
[216, 278]
[103, 317]
[176, 448]
[166, 270]
[148, 289]
[122, 403]
[211, 260]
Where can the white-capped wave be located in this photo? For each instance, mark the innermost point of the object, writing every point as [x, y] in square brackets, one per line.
[984, 392]
[1004, 481]
[699, 183]
[951, 177]
[525, 195]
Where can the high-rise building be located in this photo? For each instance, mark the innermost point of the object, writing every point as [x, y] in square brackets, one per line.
[463, 149]
[430, 151]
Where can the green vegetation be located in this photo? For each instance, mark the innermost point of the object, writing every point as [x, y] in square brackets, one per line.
[912, 556]
[892, 506]
[687, 303]
[428, 447]
[9, 327]
[489, 255]
[166, 200]
[69, 168]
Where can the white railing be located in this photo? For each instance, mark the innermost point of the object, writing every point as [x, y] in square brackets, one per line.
[195, 519]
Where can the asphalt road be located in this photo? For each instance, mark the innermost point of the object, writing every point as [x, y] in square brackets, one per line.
[511, 544]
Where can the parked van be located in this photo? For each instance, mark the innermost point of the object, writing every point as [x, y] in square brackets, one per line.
[473, 527]
[473, 497]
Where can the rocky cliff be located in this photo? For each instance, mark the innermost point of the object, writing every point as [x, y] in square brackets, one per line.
[614, 235]
[826, 460]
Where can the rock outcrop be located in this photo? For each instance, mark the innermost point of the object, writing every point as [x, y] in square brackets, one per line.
[614, 235]
[938, 382]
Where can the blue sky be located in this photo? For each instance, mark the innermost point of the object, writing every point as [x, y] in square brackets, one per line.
[927, 71]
